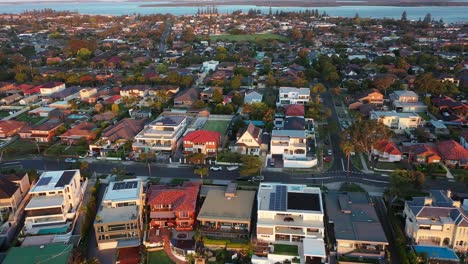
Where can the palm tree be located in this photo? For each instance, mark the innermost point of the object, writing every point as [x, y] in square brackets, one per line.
[347, 148]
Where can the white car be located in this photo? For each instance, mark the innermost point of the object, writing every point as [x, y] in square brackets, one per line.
[70, 160]
[232, 168]
[216, 168]
[330, 152]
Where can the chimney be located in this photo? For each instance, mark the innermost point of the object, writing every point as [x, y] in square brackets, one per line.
[231, 191]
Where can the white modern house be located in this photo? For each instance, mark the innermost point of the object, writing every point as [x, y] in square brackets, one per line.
[208, 66]
[291, 214]
[50, 88]
[293, 95]
[407, 101]
[118, 222]
[55, 200]
[291, 147]
[397, 121]
[162, 134]
[253, 97]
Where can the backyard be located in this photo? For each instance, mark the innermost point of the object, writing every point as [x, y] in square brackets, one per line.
[159, 257]
[21, 148]
[30, 119]
[217, 125]
[247, 37]
[66, 150]
[281, 249]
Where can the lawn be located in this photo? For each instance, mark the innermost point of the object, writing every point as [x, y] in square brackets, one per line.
[4, 114]
[159, 257]
[248, 37]
[217, 125]
[389, 166]
[177, 181]
[65, 150]
[30, 119]
[351, 187]
[21, 148]
[281, 249]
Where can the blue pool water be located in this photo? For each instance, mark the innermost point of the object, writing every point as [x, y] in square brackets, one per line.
[433, 252]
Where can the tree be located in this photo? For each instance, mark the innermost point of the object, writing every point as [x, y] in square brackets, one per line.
[236, 82]
[336, 91]
[364, 134]
[199, 104]
[188, 35]
[83, 53]
[295, 34]
[217, 96]
[383, 82]
[404, 17]
[318, 89]
[270, 81]
[347, 147]
[427, 18]
[21, 77]
[84, 166]
[115, 108]
[161, 68]
[202, 171]
[402, 182]
[99, 108]
[197, 158]
[251, 165]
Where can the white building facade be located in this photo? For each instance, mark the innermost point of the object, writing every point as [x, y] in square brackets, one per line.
[293, 95]
[397, 121]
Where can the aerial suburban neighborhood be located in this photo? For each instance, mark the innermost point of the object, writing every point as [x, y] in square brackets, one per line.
[241, 137]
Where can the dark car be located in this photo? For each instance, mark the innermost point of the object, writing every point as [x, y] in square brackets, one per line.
[244, 178]
[130, 173]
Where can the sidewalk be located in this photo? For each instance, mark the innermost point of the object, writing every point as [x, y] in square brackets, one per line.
[364, 164]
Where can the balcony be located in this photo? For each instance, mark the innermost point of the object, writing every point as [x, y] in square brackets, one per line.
[280, 144]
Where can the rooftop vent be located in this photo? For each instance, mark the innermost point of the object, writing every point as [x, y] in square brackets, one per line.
[231, 190]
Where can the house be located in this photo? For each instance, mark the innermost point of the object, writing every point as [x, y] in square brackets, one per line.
[436, 220]
[134, 91]
[294, 110]
[208, 66]
[387, 151]
[55, 201]
[84, 130]
[86, 93]
[290, 146]
[41, 133]
[63, 105]
[397, 121]
[186, 98]
[173, 207]
[354, 236]
[439, 127]
[453, 154]
[50, 88]
[9, 128]
[372, 96]
[13, 189]
[139, 113]
[66, 94]
[42, 111]
[201, 141]
[249, 142]
[464, 139]
[291, 214]
[11, 99]
[207, 94]
[115, 136]
[253, 97]
[162, 134]
[29, 100]
[55, 253]
[226, 213]
[407, 101]
[119, 220]
[422, 153]
[292, 95]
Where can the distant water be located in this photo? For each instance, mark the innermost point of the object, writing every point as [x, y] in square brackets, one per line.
[447, 13]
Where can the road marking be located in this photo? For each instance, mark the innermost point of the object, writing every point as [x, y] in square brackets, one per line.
[342, 164]
[323, 178]
[374, 180]
[13, 162]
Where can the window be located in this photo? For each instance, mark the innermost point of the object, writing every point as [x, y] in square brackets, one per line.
[183, 214]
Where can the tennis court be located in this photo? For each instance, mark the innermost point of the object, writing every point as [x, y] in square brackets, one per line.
[217, 125]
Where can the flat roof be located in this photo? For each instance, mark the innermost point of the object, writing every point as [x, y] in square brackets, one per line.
[38, 202]
[314, 247]
[289, 197]
[51, 254]
[354, 217]
[217, 206]
[304, 201]
[434, 252]
[126, 190]
[117, 214]
[54, 180]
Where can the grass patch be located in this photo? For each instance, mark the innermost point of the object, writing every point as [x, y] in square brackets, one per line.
[356, 160]
[248, 37]
[224, 242]
[177, 181]
[358, 260]
[460, 175]
[30, 119]
[217, 125]
[21, 148]
[65, 150]
[226, 156]
[4, 114]
[282, 249]
[351, 187]
[389, 166]
[159, 257]
[425, 116]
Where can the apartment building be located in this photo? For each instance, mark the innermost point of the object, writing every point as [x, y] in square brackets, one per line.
[55, 201]
[437, 220]
[355, 225]
[291, 214]
[162, 134]
[395, 120]
[292, 95]
[118, 222]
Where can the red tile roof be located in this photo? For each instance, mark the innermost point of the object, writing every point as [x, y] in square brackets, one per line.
[295, 110]
[387, 146]
[452, 150]
[84, 129]
[202, 136]
[182, 198]
[8, 126]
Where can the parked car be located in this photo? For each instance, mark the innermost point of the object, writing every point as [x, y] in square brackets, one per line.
[232, 168]
[259, 178]
[327, 159]
[330, 152]
[216, 168]
[245, 178]
[327, 142]
[70, 160]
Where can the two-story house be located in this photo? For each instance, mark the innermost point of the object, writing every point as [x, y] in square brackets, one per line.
[134, 91]
[9, 128]
[50, 88]
[372, 97]
[207, 94]
[290, 214]
[249, 142]
[162, 134]
[44, 132]
[55, 201]
[119, 220]
[87, 93]
[13, 189]
[186, 98]
[397, 121]
[407, 101]
[173, 207]
[84, 130]
[202, 141]
[290, 146]
[437, 220]
[292, 95]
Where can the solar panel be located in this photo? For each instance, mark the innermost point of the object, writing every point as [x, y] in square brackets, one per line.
[65, 178]
[44, 181]
[125, 185]
[278, 199]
